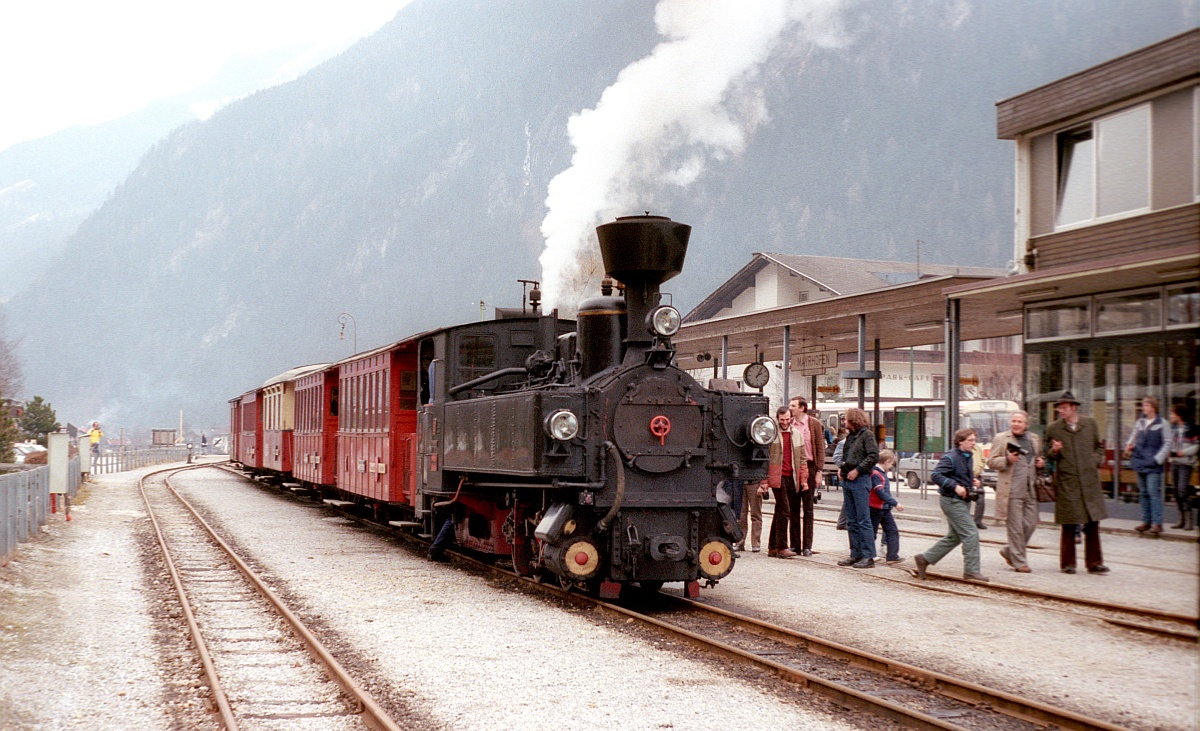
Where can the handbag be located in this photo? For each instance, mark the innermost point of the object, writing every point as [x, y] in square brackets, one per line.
[1045, 487]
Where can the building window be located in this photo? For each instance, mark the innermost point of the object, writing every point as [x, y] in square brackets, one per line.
[1059, 320]
[1129, 312]
[1104, 168]
[1183, 306]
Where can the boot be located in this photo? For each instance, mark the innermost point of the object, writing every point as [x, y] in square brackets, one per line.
[1189, 519]
[1182, 521]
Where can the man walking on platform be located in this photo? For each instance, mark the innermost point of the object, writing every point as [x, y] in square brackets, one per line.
[1073, 445]
[1016, 457]
[787, 465]
[814, 460]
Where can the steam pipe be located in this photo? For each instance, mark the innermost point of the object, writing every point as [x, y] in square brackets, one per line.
[612, 512]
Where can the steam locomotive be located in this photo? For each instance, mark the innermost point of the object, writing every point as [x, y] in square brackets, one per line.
[579, 450]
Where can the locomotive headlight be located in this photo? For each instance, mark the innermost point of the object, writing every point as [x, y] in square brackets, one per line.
[763, 430]
[562, 425]
[664, 321]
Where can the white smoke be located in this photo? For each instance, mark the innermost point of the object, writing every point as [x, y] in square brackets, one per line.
[696, 97]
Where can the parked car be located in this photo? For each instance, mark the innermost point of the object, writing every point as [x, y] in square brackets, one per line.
[915, 470]
[22, 450]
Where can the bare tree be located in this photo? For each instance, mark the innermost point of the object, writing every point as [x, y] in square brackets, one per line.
[10, 367]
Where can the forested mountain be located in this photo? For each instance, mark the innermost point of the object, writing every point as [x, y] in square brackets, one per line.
[405, 180]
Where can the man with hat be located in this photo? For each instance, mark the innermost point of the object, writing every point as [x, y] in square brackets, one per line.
[1073, 445]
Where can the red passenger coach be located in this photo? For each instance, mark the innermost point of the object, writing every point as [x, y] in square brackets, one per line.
[315, 433]
[279, 418]
[251, 432]
[377, 424]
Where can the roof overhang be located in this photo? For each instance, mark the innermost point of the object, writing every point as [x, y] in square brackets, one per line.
[1006, 297]
[900, 316]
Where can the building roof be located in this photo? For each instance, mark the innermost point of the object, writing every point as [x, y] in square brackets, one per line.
[836, 275]
[1172, 61]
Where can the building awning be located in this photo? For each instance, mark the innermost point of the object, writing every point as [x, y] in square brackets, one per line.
[901, 316]
[1007, 296]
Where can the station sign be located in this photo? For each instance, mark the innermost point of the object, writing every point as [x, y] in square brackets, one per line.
[815, 362]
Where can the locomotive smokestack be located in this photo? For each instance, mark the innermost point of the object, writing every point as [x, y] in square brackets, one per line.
[642, 252]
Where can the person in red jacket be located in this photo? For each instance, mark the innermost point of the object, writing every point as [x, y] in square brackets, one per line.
[882, 503]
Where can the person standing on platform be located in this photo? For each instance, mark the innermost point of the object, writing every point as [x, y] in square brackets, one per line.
[978, 462]
[786, 458]
[1147, 451]
[1073, 445]
[814, 460]
[1016, 457]
[955, 478]
[750, 520]
[1185, 443]
[859, 457]
[882, 504]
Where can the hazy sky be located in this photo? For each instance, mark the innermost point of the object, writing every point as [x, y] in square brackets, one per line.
[69, 62]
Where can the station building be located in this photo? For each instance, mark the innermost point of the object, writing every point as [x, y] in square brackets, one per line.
[1105, 299]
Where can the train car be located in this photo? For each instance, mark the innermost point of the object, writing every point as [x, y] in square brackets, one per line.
[577, 449]
[376, 427]
[279, 418]
[235, 428]
[250, 430]
[315, 431]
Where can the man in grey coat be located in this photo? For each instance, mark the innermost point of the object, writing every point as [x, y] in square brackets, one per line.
[1073, 445]
[1016, 456]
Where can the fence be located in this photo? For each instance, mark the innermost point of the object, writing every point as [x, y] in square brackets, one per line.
[25, 493]
[25, 502]
[130, 459]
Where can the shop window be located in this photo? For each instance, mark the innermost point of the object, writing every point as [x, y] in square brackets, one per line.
[1129, 312]
[1183, 306]
[1059, 320]
[1104, 168]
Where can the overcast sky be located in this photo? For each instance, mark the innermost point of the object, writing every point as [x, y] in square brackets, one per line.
[69, 62]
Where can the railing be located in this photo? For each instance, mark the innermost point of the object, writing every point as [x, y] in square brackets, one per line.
[25, 502]
[131, 459]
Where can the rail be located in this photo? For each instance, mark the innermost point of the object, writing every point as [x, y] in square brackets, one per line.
[131, 459]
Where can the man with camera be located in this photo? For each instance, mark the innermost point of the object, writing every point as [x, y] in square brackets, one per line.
[957, 488]
[1016, 457]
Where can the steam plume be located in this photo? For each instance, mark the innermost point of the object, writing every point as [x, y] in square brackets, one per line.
[696, 97]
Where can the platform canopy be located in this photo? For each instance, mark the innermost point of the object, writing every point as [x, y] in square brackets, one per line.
[899, 316]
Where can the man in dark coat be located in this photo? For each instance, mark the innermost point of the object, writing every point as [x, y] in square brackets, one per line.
[1073, 445]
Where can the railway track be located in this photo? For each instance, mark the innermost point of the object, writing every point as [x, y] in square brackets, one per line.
[882, 687]
[264, 668]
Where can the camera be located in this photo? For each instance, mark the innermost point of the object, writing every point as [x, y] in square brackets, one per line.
[1017, 449]
[973, 493]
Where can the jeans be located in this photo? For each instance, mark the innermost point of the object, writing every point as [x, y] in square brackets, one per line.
[858, 516]
[962, 530]
[891, 532]
[1150, 494]
[1181, 478]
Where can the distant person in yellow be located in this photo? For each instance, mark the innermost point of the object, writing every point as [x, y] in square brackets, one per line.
[94, 437]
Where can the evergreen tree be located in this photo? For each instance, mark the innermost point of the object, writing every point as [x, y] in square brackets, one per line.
[38, 420]
[8, 430]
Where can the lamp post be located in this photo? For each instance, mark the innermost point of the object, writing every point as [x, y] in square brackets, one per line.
[342, 321]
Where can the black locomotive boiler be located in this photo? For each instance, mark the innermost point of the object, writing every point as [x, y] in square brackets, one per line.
[613, 463]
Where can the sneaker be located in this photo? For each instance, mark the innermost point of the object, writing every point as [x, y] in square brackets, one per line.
[756, 549]
[1098, 569]
[866, 563]
[738, 547]
[922, 564]
[848, 561]
[806, 552]
[1004, 555]
[975, 577]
